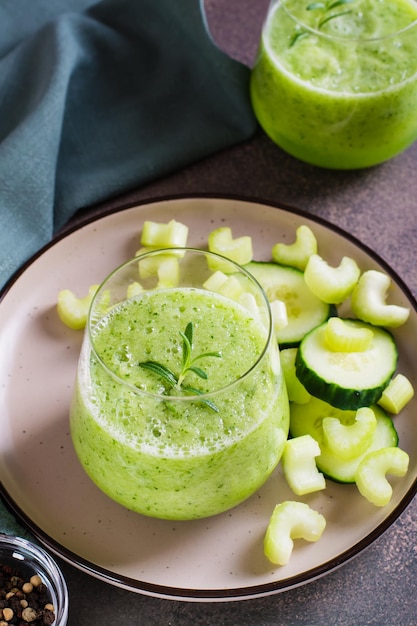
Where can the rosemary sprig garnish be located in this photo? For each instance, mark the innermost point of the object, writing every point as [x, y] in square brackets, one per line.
[175, 381]
[325, 7]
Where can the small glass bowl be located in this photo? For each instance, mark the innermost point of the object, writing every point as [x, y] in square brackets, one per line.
[27, 559]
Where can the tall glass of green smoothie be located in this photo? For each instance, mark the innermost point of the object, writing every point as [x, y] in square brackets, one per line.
[179, 408]
[335, 81]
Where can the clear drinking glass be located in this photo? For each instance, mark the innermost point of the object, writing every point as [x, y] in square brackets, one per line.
[180, 409]
[335, 82]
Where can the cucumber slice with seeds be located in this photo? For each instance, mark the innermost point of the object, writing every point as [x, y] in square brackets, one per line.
[347, 380]
[304, 309]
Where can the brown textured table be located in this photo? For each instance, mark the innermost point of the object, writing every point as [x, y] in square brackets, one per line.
[379, 206]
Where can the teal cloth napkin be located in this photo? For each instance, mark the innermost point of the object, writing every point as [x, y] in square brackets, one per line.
[97, 98]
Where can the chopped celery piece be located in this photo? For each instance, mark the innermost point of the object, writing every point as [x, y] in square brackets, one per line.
[73, 311]
[164, 266]
[342, 336]
[370, 476]
[179, 253]
[299, 465]
[239, 250]
[397, 394]
[296, 254]
[134, 289]
[225, 285]
[368, 301]
[295, 389]
[291, 520]
[279, 315]
[170, 235]
[331, 284]
[350, 440]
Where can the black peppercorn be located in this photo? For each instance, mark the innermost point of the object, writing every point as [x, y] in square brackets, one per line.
[18, 608]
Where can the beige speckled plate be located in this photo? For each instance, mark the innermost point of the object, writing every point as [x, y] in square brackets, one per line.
[219, 558]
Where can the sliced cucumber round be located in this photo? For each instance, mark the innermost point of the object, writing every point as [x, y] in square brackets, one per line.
[307, 419]
[347, 380]
[304, 309]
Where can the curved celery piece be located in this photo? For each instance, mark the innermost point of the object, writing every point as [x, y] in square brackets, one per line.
[291, 520]
[368, 301]
[73, 311]
[299, 465]
[331, 284]
[370, 476]
[225, 285]
[238, 250]
[295, 389]
[171, 235]
[348, 441]
[341, 336]
[296, 254]
[397, 394]
[164, 266]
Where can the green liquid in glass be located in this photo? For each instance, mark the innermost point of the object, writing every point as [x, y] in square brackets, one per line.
[344, 94]
[179, 459]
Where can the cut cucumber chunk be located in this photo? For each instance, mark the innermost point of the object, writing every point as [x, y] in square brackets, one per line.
[304, 309]
[347, 380]
[307, 419]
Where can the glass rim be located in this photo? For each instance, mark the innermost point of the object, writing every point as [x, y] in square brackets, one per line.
[339, 38]
[184, 398]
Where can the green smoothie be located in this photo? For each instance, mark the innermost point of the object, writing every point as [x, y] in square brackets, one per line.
[159, 451]
[337, 87]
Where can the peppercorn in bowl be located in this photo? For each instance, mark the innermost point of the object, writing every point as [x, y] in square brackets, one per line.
[32, 588]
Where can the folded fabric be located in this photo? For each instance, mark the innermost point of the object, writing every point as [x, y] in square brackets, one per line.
[9, 525]
[97, 98]
[100, 97]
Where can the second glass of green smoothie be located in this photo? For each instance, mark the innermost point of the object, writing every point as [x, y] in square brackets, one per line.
[335, 81]
[180, 409]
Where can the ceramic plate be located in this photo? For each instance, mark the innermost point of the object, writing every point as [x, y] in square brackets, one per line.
[219, 558]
